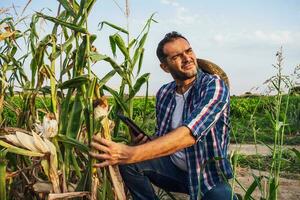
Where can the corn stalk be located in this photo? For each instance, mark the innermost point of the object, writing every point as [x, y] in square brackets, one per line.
[3, 164]
[129, 69]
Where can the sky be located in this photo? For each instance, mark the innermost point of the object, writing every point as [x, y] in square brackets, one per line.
[242, 37]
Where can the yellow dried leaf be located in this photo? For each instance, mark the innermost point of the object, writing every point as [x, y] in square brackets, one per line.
[5, 35]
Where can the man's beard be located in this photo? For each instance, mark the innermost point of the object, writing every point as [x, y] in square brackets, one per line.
[182, 76]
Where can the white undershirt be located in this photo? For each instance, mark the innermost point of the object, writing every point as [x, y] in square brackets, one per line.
[179, 157]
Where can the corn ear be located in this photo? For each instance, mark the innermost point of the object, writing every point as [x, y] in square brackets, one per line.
[20, 151]
[39, 143]
[12, 138]
[27, 141]
[114, 170]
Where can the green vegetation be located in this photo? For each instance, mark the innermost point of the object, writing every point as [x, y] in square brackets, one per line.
[241, 110]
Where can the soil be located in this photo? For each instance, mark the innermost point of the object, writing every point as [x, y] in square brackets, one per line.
[289, 188]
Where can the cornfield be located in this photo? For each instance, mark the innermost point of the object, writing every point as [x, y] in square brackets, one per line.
[45, 155]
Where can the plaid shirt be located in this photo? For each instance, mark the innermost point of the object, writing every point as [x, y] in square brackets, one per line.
[206, 114]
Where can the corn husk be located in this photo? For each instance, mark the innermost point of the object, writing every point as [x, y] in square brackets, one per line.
[43, 146]
[101, 112]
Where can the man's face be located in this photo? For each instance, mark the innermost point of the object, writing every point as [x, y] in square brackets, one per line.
[181, 61]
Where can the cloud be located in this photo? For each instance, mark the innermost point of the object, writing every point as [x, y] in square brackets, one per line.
[182, 14]
[275, 37]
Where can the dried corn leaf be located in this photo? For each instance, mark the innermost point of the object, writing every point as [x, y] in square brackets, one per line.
[68, 195]
[5, 35]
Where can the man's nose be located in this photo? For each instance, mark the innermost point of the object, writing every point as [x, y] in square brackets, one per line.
[186, 57]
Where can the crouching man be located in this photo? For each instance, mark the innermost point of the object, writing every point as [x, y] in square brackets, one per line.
[190, 153]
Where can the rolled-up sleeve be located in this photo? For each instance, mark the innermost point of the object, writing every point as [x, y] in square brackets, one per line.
[214, 101]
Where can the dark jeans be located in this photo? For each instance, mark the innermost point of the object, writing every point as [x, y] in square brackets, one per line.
[164, 174]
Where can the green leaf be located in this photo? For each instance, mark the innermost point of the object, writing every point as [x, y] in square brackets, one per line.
[63, 23]
[121, 44]
[118, 99]
[63, 47]
[140, 62]
[75, 117]
[94, 56]
[138, 84]
[256, 183]
[297, 153]
[73, 142]
[113, 26]
[67, 7]
[75, 82]
[112, 44]
[106, 78]
[116, 67]
[131, 43]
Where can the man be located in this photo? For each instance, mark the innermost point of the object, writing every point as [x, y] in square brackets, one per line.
[190, 153]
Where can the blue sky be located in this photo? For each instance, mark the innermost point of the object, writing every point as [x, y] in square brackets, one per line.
[240, 36]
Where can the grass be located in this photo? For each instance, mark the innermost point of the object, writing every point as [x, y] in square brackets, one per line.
[290, 164]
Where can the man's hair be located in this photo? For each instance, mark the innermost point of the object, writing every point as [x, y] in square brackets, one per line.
[169, 37]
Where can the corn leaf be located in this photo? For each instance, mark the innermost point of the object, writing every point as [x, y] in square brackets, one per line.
[67, 7]
[75, 117]
[94, 56]
[256, 183]
[140, 62]
[80, 59]
[118, 99]
[5, 35]
[121, 44]
[63, 47]
[139, 49]
[297, 153]
[73, 142]
[138, 84]
[63, 23]
[20, 151]
[75, 82]
[106, 78]
[112, 44]
[118, 69]
[113, 26]
[131, 43]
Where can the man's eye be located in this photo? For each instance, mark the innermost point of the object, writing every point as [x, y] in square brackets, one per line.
[189, 51]
[174, 57]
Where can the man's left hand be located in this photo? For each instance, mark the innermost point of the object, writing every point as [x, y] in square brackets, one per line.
[111, 153]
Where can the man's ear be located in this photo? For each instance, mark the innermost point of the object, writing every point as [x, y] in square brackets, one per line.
[164, 67]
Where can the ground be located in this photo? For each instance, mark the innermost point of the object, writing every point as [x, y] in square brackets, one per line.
[289, 188]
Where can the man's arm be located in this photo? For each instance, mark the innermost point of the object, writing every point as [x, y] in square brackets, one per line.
[115, 153]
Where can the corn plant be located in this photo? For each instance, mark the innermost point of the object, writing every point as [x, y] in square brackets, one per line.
[11, 69]
[277, 111]
[129, 69]
[51, 155]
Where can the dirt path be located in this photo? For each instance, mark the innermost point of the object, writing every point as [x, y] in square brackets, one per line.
[250, 149]
[289, 188]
